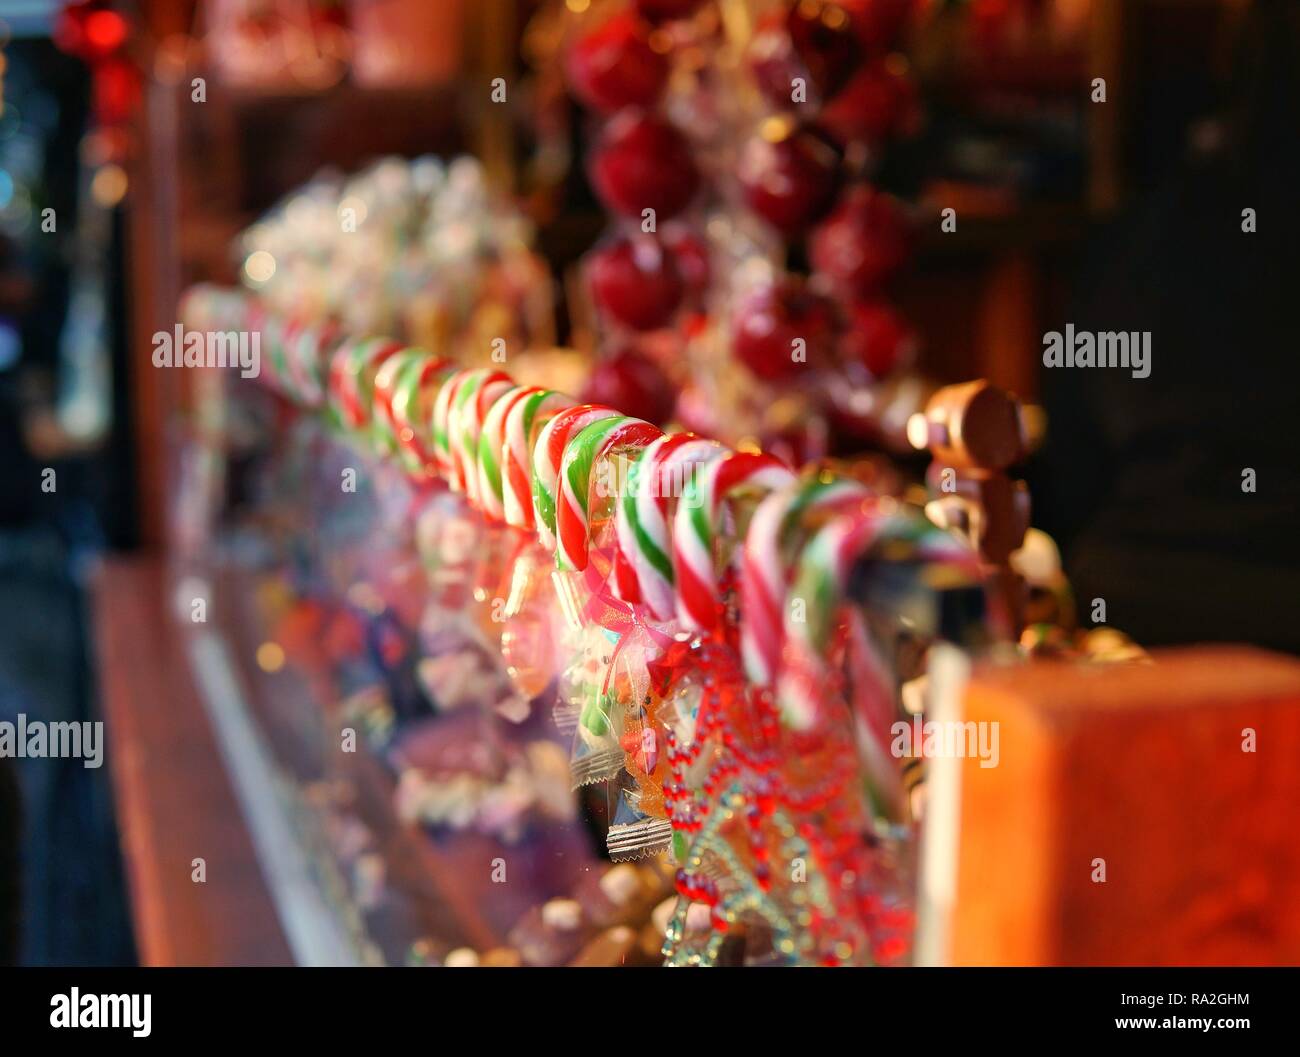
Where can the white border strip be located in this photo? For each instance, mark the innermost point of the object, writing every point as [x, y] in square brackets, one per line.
[949, 672]
[314, 933]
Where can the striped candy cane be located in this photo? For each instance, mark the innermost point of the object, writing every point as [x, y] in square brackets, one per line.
[405, 388]
[695, 527]
[352, 379]
[491, 444]
[523, 424]
[657, 476]
[306, 352]
[764, 575]
[441, 432]
[548, 454]
[581, 455]
[821, 572]
[821, 578]
[479, 391]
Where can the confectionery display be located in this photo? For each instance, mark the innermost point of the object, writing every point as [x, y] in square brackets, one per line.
[559, 485]
[532, 634]
[622, 562]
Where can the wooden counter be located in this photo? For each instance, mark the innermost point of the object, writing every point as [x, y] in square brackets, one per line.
[174, 800]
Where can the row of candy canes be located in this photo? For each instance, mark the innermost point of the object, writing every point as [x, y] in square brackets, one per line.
[528, 456]
[509, 449]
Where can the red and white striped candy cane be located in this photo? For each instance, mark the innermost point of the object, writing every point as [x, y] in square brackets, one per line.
[581, 457]
[306, 352]
[695, 527]
[477, 393]
[661, 473]
[491, 443]
[523, 425]
[352, 377]
[764, 575]
[405, 389]
[821, 579]
[821, 572]
[442, 405]
[548, 454]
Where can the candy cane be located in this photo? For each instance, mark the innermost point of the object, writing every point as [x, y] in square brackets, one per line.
[581, 454]
[491, 444]
[642, 518]
[306, 352]
[441, 433]
[696, 524]
[479, 391]
[382, 412]
[405, 388]
[523, 424]
[548, 454]
[764, 576]
[287, 360]
[821, 579]
[822, 567]
[352, 378]
[825, 563]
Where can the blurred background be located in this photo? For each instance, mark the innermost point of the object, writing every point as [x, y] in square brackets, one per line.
[1098, 155]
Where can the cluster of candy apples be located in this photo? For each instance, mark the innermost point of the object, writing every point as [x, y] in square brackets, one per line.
[725, 155]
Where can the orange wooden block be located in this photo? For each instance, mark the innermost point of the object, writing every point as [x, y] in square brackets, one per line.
[1142, 768]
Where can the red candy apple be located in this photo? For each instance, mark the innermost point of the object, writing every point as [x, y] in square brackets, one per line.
[877, 337]
[614, 66]
[789, 178]
[863, 242]
[643, 163]
[633, 383]
[780, 329]
[877, 104]
[636, 281]
[812, 45]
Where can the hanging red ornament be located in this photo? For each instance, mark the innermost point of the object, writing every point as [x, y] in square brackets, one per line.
[613, 66]
[635, 281]
[643, 163]
[789, 176]
[863, 242]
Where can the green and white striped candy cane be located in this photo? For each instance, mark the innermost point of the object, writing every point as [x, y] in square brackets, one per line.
[524, 424]
[491, 442]
[480, 389]
[663, 468]
[548, 455]
[581, 455]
